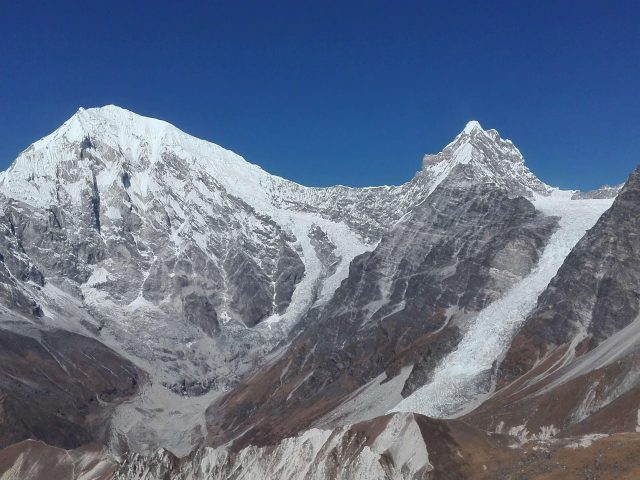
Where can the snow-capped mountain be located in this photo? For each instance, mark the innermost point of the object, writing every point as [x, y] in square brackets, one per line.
[178, 241]
[211, 303]
[162, 236]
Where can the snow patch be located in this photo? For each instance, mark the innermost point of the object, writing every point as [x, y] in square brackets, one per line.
[522, 434]
[586, 440]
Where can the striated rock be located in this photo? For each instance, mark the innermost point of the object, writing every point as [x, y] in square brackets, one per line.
[60, 387]
[574, 364]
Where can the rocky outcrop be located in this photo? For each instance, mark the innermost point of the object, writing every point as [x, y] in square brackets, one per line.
[399, 447]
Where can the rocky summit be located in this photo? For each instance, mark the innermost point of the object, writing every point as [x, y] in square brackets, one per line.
[170, 310]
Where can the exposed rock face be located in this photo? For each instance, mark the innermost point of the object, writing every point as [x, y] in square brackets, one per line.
[60, 387]
[400, 447]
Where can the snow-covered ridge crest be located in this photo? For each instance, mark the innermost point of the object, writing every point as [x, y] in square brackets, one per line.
[192, 262]
[134, 135]
[142, 141]
[179, 237]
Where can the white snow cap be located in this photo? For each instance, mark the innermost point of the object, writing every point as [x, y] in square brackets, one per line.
[471, 126]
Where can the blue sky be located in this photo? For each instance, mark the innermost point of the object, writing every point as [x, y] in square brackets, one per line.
[339, 92]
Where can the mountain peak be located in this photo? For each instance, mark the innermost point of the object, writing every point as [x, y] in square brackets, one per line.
[105, 141]
[472, 126]
[118, 118]
[489, 157]
[115, 114]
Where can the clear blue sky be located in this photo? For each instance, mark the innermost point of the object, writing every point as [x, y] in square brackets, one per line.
[339, 91]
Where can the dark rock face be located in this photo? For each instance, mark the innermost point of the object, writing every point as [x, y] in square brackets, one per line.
[325, 250]
[201, 312]
[289, 272]
[60, 388]
[426, 358]
[16, 267]
[595, 293]
[402, 303]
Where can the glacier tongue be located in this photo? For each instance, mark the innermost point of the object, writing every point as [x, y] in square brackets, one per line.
[460, 381]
